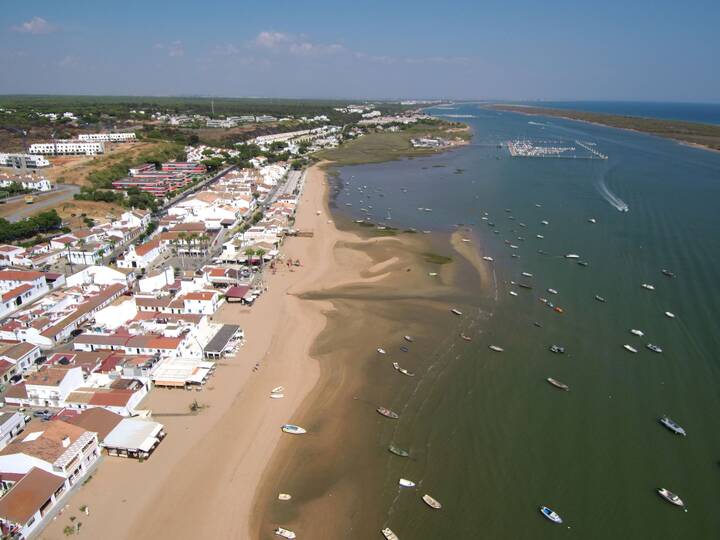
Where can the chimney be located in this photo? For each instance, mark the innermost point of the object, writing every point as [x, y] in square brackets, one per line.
[66, 441]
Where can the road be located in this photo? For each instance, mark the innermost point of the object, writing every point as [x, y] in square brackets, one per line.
[15, 208]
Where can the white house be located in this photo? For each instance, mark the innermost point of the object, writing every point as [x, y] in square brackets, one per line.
[107, 137]
[23, 161]
[58, 148]
[11, 423]
[48, 387]
[88, 253]
[34, 183]
[20, 287]
[143, 255]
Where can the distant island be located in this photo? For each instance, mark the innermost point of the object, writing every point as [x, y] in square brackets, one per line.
[692, 133]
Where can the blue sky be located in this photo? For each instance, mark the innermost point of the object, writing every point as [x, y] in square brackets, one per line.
[631, 50]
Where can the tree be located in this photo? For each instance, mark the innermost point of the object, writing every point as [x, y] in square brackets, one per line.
[181, 240]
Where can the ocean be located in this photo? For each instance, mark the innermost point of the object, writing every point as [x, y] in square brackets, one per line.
[488, 436]
[706, 113]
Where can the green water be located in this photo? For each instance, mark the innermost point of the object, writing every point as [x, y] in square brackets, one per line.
[490, 438]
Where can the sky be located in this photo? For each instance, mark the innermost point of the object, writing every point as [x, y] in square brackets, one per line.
[638, 50]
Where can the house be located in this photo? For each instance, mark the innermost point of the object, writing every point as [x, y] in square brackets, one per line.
[12, 255]
[48, 387]
[19, 287]
[143, 255]
[88, 253]
[22, 355]
[11, 423]
[120, 396]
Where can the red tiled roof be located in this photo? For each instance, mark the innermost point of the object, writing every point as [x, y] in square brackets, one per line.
[19, 275]
[147, 247]
[114, 398]
[154, 342]
[17, 291]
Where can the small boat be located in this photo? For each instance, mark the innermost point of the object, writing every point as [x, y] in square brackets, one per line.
[558, 384]
[387, 413]
[572, 256]
[466, 338]
[539, 236]
[526, 274]
[456, 311]
[669, 315]
[495, 348]
[670, 497]
[403, 348]
[276, 395]
[408, 339]
[654, 348]
[537, 324]
[543, 300]
[592, 220]
[513, 293]
[432, 274]
[545, 222]
[630, 348]
[557, 349]
[404, 482]
[490, 259]
[398, 451]
[278, 390]
[552, 291]
[583, 263]
[284, 497]
[551, 515]
[513, 246]
[672, 426]
[402, 370]
[381, 350]
[389, 535]
[524, 285]
[639, 333]
[599, 298]
[667, 273]
[648, 286]
[432, 503]
[285, 533]
[558, 309]
[293, 429]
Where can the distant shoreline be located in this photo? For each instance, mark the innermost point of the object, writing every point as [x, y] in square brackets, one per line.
[697, 135]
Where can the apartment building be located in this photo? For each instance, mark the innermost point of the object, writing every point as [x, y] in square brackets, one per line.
[65, 148]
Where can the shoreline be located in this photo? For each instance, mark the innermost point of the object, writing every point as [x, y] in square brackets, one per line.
[556, 113]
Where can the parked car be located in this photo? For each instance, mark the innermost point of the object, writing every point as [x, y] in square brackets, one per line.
[27, 418]
[38, 414]
[15, 378]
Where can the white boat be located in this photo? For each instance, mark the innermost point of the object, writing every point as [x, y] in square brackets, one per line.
[513, 293]
[381, 350]
[552, 291]
[276, 395]
[456, 311]
[648, 286]
[466, 240]
[489, 259]
[545, 222]
[402, 370]
[432, 503]
[284, 497]
[409, 339]
[432, 274]
[630, 348]
[495, 348]
[513, 246]
[387, 533]
[670, 497]
[572, 256]
[551, 515]
[526, 274]
[636, 332]
[592, 220]
[285, 533]
[278, 390]
[404, 482]
[669, 315]
[293, 429]
[540, 236]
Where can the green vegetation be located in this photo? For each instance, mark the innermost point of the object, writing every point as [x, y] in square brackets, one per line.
[434, 258]
[15, 188]
[43, 222]
[132, 198]
[688, 132]
[387, 146]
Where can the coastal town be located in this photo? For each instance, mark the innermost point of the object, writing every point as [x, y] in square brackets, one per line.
[97, 319]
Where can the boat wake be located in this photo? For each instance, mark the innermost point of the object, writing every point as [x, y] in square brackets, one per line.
[609, 196]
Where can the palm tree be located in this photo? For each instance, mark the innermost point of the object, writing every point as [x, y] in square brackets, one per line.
[181, 238]
[249, 252]
[260, 253]
[192, 239]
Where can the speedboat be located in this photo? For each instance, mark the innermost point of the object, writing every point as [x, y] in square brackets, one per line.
[572, 256]
[513, 293]
[293, 429]
[670, 497]
[630, 348]
[638, 333]
[404, 482]
[654, 348]
[284, 497]
[667, 273]
[456, 311]
[513, 246]
[557, 349]
[648, 286]
[489, 259]
[672, 425]
[669, 315]
[558, 384]
[381, 350]
[409, 339]
[551, 515]
[552, 291]
[285, 533]
[432, 503]
[398, 451]
[389, 535]
[387, 413]
[526, 274]
[495, 348]
[599, 298]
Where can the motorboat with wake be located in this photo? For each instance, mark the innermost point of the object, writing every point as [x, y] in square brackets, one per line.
[381, 350]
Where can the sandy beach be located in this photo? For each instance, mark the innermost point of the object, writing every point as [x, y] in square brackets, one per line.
[201, 480]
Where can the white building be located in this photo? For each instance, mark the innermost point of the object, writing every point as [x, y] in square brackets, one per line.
[107, 137]
[20, 287]
[62, 148]
[23, 161]
[143, 255]
[37, 184]
[11, 423]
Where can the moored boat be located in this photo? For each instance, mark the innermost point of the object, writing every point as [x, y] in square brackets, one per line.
[409, 339]
[670, 497]
[388, 413]
[293, 429]
[278, 390]
[552, 291]
[669, 315]
[398, 451]
[672, 426]
[402, 370]
[557, 349]
[513, 293]
[466, 338]
[489, 259]
[284, 497]
[599, 298]
[456, 311]
[630, 348]
[667, 273]
[495, 348]
[558, 384]
[551, 515]
[285, 533]
[526, 274]
[389, 535]
[639, 333]
[276, 395]
[648, 286]
[432, 503]
[654, 348]
[583, 263]
[404, 482]
[524, 285]
[572, 256]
